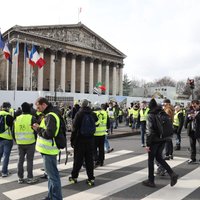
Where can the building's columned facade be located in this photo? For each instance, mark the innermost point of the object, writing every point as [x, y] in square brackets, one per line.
[76, 59]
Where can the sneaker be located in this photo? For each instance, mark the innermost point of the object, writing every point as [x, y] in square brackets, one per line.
[20, 180]
[90, 182]
[171, 157]
[4, 175]
[44, 176]
[191, 161]
[72, 180]
[149, 183]
[174, 178]
[110, 150]
[167, 158]
[31, 180]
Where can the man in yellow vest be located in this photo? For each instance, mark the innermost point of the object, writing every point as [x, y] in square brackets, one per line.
[101, 132]
[6, 139]
[142, 118]
[46, 145]
[25, 138]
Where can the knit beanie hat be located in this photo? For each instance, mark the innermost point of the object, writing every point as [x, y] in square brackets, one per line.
[152, 104]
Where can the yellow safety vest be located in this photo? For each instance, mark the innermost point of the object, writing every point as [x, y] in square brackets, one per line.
[176, 119]
[144, 114]
[24, 134]
[12, 111]
[111, 113]
[102, 122]
[48, 146]
[135, 113]
[7, 134]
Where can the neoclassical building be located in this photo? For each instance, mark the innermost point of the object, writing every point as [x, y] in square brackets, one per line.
[76, 60]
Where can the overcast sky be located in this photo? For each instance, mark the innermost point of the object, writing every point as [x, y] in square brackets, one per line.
[159, 37]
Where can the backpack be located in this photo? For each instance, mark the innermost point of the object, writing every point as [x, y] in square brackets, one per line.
[61, 137]
[88, 127]
[2, 124]
[164, 124]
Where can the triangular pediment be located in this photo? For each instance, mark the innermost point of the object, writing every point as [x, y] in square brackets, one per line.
[78, 35]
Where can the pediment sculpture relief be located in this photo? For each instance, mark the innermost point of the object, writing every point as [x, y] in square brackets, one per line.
[75, 36]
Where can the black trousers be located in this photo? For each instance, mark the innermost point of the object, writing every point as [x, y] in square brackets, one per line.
[83, 151]
[193, 141]
[99, 154]
[169, 147]
[156, 150]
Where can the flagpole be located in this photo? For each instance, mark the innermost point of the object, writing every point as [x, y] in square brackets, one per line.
[16, 63]
[7, 81]
[24, 74]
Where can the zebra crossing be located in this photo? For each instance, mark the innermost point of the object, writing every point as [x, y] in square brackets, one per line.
[123, 170]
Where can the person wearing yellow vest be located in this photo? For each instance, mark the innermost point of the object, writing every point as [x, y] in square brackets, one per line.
[134, 115]
[111, 116]
[46, 145]
[142, 118]
[101, 128]
[25, 138]
[178, 125]
[6, 139]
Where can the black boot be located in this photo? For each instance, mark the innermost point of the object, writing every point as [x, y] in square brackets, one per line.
[174, 178]
[177, 148]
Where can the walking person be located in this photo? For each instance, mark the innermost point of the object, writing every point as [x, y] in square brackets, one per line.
[178, 125]
[82, 141]
[192, 123]
[142, 118]
[6, 139]
[25, 138]
[46, 145]
[155, 145]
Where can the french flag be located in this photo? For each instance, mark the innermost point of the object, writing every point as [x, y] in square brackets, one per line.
[35, 58]
[6, 52]
[2, 44]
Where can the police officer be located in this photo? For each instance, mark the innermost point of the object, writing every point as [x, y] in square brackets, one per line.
[6, 139]
[25, 138]
[46, 145]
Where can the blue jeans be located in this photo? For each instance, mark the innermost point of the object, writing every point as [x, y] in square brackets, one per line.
[143, 131]
[5, 150]
[106, 143]
[54, 183]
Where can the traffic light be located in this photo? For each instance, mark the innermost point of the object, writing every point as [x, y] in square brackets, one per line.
[191, 83]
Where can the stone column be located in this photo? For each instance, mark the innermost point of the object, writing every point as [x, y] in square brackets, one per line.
[52, 72]
[107, 78]
[114, 80]
[73, 74]
[91, 76]
[82, 82]
[63, 71]
[120, 80]
[40, 73]
[117, 80]
[99, 71]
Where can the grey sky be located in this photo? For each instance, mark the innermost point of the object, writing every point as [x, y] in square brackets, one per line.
[159, 37]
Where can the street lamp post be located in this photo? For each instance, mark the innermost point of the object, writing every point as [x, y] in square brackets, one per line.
[55, 94]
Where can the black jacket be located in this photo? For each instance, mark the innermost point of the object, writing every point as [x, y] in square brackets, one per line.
[76, 125]
[197, 124]
[153, 135]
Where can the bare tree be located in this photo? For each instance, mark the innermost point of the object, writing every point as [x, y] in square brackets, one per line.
[165, 81]
[126, 85]
[180, 86]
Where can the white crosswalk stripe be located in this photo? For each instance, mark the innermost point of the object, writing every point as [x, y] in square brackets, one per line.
[187, 183]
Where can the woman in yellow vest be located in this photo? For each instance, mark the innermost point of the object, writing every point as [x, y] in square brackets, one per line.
[46, 133]
[25, 138]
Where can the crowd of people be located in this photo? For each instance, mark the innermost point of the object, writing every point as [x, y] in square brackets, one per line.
[36, 129]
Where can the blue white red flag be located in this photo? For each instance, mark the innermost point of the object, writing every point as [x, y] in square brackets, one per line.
[35, 58]
[1, 42]
[26, 51]
[6, 52]
[17, 49]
